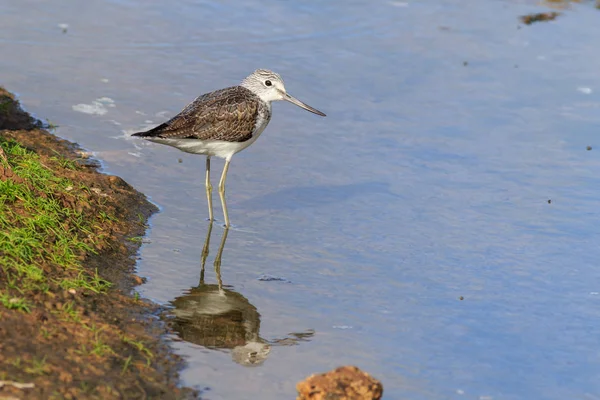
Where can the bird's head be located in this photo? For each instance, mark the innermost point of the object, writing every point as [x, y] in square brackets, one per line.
[269, 87]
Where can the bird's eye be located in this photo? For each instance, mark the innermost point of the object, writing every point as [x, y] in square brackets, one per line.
[268, 83]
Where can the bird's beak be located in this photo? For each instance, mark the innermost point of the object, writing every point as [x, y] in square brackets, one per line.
[297, 102]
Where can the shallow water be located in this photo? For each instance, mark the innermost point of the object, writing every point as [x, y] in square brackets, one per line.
[449, 129]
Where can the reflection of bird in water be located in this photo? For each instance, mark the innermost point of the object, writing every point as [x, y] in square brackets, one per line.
[217, 317]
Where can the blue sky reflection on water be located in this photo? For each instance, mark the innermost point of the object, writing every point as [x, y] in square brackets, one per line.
[449, 128]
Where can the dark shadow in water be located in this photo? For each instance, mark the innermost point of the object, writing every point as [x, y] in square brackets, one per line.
[217, 317]
[315, 196]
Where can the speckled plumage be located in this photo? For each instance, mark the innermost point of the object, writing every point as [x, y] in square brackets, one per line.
[224, 122]
[228, 114]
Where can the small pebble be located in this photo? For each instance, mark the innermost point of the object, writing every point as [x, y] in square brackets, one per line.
[461, 298]
[179, 160]
[138, 279]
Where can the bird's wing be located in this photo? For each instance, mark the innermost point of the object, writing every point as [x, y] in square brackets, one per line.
[226, 114]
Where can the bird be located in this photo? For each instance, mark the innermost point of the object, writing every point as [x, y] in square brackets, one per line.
[223, 123]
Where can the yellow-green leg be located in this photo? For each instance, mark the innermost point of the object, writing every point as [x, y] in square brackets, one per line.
[208, 186]
[205, 250]
[217, 263]
[222, 192]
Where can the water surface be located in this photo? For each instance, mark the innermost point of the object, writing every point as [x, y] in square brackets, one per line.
[452, 165]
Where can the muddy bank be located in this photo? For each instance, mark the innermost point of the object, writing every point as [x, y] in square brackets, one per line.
[69, 324]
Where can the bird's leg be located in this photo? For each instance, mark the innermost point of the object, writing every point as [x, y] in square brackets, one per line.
[217, 263]
[205, 252]
[222, 192]
[208, 186]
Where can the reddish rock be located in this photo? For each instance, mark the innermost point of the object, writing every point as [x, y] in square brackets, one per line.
[343, 383]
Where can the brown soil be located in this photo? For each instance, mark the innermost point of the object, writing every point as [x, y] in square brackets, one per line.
[110, 347]
[343, 383]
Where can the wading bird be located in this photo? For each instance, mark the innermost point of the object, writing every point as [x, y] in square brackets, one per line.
[224, 122]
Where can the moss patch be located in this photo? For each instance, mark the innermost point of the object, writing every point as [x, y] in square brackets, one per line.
[68, 322]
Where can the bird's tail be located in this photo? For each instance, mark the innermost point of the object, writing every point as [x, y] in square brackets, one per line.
[152, 132]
